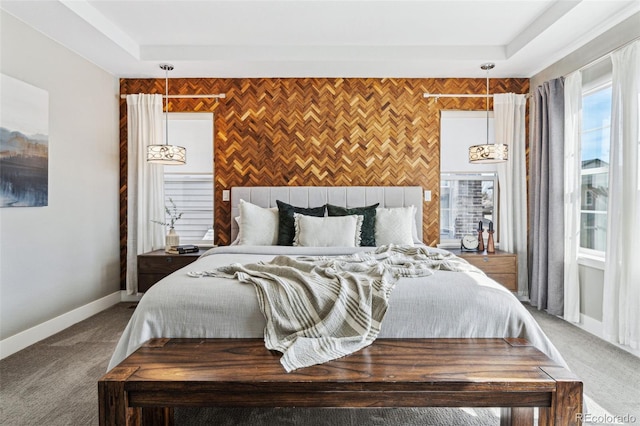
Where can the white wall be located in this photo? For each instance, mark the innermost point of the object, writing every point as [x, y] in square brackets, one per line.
[458, 131]
[58, 258]
[623, 33]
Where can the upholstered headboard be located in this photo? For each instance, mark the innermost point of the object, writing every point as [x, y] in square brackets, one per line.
[314, 196]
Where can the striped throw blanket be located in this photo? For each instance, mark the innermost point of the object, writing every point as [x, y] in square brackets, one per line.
[321, 308]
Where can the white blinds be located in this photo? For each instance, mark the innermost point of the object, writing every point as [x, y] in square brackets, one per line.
[193, 195]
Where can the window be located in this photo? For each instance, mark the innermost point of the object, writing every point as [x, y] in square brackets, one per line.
[595, 144]
[190, 186]
[465, 200]
[468, 192]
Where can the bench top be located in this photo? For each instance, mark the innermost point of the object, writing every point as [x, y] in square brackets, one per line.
[387, 364]
[507, 373]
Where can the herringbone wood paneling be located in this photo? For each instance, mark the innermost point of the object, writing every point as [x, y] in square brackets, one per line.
[319, 131]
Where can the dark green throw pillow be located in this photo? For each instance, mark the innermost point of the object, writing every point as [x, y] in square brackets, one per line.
[286, 224]
[368, 231]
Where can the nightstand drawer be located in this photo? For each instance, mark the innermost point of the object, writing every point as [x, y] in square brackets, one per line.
[162, 264]
[155, 265]
[500, 266]
[493, 264]
[145, 281]
[507, 280]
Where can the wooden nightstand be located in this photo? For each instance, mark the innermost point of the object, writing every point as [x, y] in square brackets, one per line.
[155, 265]
[501, 266]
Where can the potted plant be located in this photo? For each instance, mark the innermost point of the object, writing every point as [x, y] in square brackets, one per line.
[172, 239]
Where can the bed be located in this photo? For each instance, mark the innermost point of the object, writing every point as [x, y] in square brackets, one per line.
[440, 305]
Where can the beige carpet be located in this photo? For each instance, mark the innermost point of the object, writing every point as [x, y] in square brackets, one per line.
[611, 376]
[54, 382]
[338, 417]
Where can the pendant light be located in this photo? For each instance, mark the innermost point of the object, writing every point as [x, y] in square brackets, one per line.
[166, 154]
[488, 153]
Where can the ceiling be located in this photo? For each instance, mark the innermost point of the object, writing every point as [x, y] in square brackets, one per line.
[322, 38]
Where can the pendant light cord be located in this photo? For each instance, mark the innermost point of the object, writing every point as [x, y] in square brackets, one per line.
[487, 106]
[166, 106]
[166, 68]
[488, 66]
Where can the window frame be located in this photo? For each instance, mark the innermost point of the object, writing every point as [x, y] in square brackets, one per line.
[459, 176]
[588, 256]
[177, 175]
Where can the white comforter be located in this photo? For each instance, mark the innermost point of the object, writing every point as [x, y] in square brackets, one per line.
[445, 304]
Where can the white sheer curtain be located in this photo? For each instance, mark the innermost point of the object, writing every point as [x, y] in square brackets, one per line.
[509, 120]
[621, 299]
[572, 188]
[145, 189]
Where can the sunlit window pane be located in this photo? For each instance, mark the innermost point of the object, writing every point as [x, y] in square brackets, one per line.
[595, 192]
[464, 203]
[595, 144]
[596, 109]
[593, 230]
[595, 148]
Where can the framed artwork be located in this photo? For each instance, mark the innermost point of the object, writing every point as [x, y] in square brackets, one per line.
[24, 144]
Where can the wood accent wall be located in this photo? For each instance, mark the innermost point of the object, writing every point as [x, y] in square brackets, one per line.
[318, 131]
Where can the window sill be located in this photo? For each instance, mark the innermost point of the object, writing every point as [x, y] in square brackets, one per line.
[595, 262]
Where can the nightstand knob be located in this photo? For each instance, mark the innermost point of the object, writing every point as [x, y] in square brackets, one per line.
[485, 259]
[168, 259]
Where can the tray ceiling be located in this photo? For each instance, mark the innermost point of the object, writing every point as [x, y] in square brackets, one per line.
[322, 38]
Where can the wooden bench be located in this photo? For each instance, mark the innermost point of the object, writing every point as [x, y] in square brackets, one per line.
[508, 373]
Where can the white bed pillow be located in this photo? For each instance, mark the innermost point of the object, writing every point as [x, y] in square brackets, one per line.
[328, 231]
[395, 225]
[257, 226]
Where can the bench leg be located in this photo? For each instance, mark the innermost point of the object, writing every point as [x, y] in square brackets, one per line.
[516, 416]
[566, 406]
[157, 416]
[113, 407]
[566, 402]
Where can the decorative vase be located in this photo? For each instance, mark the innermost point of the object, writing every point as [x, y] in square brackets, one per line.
[480, 240]
[172, 239]
[491, 248]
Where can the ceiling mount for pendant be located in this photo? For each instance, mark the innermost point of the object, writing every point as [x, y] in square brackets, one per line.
[166, 154]
[169, 67]
[487, 66]
[488, 153]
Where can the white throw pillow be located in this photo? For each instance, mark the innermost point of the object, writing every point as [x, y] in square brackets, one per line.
[328, 231]
[395, 225]
[257, 226]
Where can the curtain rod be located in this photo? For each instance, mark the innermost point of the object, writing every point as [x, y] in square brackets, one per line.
[604, 56]
[458, 95]
[214, 96]
[454, 95]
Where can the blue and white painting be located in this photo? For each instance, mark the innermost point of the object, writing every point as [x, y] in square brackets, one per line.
[24, 144]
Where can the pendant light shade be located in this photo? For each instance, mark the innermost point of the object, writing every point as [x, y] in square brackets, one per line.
[166, 154]
[488, 153]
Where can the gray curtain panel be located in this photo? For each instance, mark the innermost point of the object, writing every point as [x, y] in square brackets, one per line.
[546, 203]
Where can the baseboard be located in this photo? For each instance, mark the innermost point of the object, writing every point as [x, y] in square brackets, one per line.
[19, 341]
[124, 297]
[594, 327]
[590, 325]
